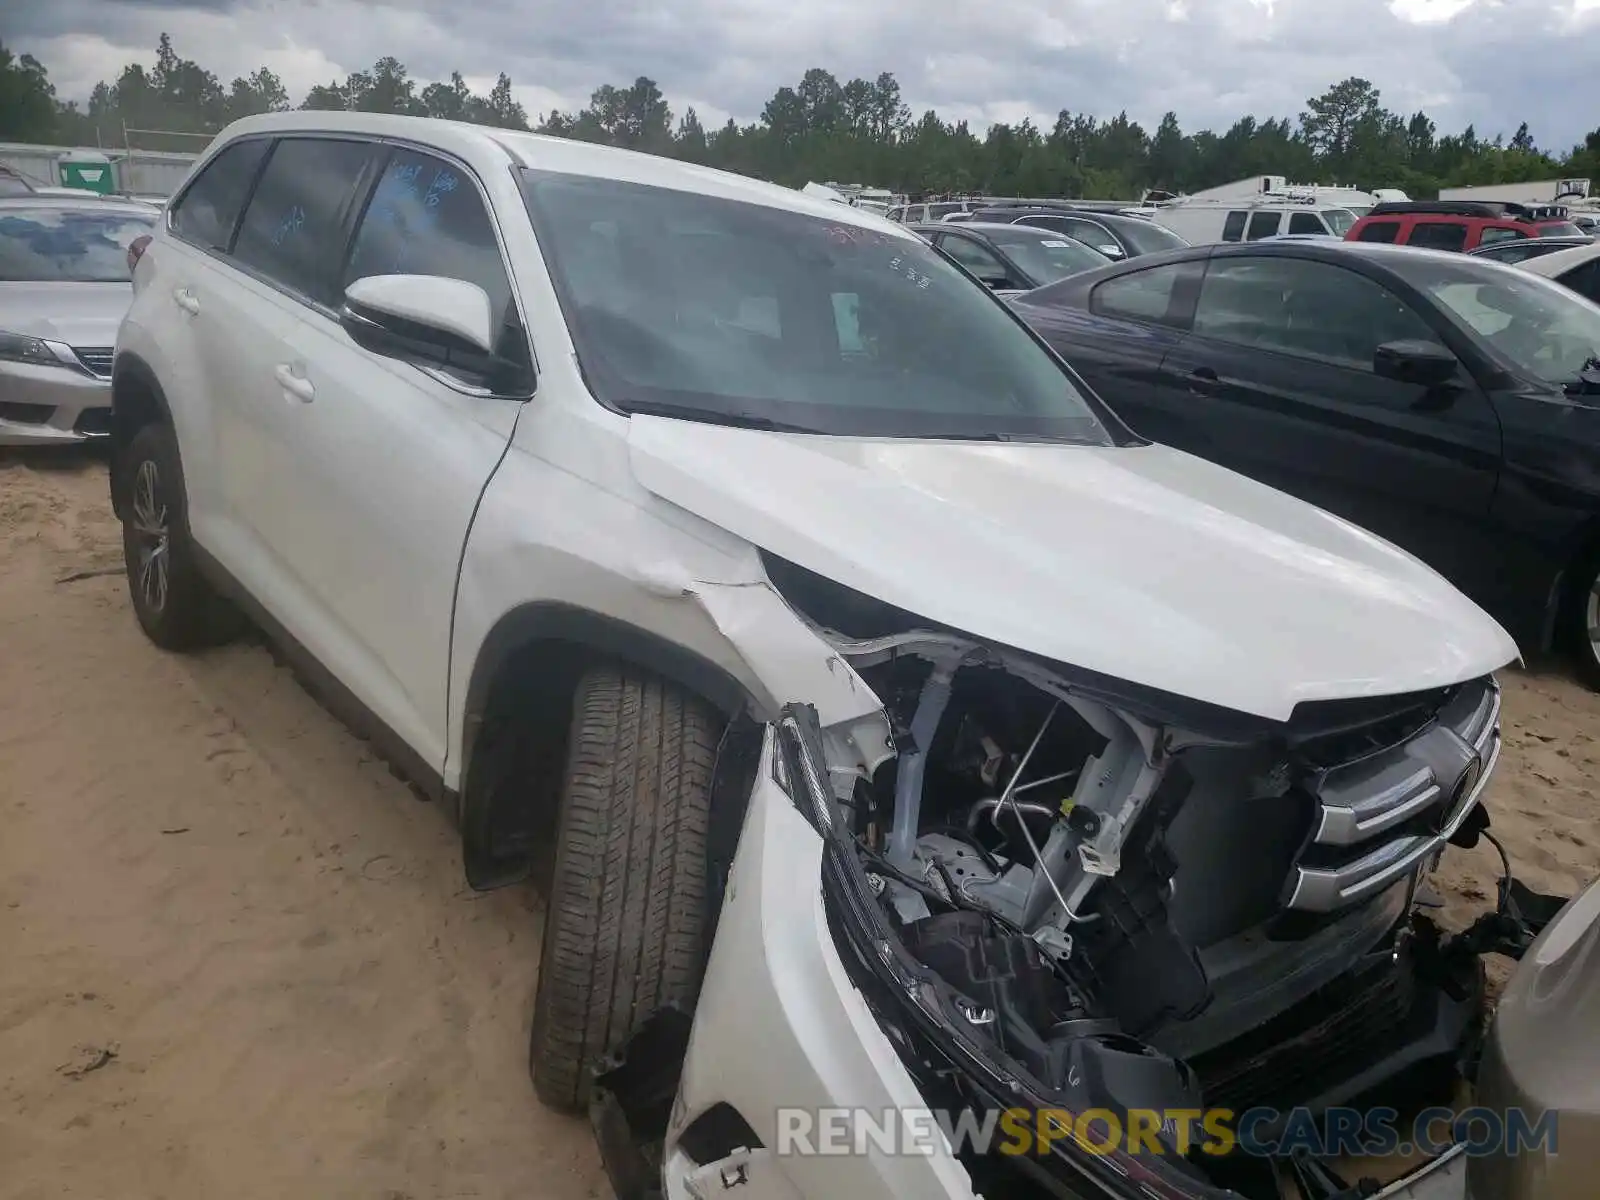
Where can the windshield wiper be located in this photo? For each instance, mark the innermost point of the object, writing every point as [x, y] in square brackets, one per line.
[713, 416]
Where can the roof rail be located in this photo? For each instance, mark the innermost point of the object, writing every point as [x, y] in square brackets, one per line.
[1506, 209]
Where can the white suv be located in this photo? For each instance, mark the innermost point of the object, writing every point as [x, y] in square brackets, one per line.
[863, 693]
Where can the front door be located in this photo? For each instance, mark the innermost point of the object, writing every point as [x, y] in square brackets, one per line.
[1278, 370]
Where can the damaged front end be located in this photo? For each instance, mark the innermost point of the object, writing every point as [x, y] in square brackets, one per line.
[1048, 893]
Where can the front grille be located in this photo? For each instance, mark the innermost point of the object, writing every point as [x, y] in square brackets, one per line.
[25, 414]
[1315, 1045]
[97, 359]
[93, 422]
[1380, 813]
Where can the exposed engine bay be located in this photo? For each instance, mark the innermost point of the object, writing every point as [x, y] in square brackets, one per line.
[1142, 914]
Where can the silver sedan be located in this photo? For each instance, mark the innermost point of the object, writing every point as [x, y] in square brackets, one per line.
[64, 287]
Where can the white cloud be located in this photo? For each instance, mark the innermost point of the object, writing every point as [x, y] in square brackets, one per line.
[1494, 64]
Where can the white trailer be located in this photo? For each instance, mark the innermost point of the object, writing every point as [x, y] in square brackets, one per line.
[1542, 191]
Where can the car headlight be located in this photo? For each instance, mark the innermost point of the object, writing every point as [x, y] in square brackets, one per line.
[19, 347]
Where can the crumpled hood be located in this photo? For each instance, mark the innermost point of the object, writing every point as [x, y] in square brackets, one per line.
[77, 314]
[1142, 563]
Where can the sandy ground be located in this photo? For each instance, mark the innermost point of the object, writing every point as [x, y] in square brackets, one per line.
[237, 957]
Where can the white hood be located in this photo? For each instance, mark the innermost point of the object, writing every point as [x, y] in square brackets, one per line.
[1145, 564]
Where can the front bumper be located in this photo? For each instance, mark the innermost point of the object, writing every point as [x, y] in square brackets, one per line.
[52, 405]
[782, 1029]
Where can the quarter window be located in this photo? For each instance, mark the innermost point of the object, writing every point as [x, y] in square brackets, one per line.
[1233, 227]
[1139, 296]
[1310, 309]
[209, 208]
[293, 231]
[426, 217]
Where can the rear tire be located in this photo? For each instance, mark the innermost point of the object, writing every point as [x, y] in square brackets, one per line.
[625, 921]
[176, 606]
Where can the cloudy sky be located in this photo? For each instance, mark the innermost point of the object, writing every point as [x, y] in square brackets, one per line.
[1491, 62]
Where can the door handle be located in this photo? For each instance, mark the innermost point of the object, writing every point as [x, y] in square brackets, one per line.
[297, 386]
[186, 300]
[1203, 381]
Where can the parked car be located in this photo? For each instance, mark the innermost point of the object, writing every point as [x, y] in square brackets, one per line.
[859, 687]
[64, 287]
[934, 210]
[1520, 250]
[1012, 259]
[1202, 222]
[1576, 267]
[1115, 235]
[1460, 224]
[1447, 404]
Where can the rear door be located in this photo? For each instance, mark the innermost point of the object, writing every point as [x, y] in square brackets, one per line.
[1278, 367]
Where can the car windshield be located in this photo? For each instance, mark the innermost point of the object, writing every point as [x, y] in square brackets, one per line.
[1548, 331]
[1047, 256]
[61, 244]
[1340, 220]
[1146, 237]
[1558, 229]
[730, 312]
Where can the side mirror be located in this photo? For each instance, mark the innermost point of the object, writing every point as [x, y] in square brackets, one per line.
[1426, 363]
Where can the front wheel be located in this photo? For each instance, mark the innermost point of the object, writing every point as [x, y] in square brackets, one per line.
[1582, 622]
[176, 606]
[625, 920]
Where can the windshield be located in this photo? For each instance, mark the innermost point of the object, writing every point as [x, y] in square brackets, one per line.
[67, 245]
[1045, 256]
[1340, 220]
[1548, 331]
[718, 310]
[1557, 229]
[1146, 237]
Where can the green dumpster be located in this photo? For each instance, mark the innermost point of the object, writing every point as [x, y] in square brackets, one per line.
[87, 170]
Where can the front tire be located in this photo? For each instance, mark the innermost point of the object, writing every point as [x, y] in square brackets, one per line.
[176, 606]
[1581, 634]
[625, 921]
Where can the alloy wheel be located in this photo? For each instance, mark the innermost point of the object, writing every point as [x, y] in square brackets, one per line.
[152, 536]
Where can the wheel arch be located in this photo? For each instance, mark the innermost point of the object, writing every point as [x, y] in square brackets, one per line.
[137, 400]
[533, 655]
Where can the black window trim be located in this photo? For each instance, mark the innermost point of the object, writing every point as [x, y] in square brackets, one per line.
[386, 146]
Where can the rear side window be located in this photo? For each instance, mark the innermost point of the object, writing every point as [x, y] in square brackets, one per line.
[1378, 231]
[1438, 235]
[1233, 227]
[427, 218]
[1302, 222]
[209, 209]
[1263, 225]
[293, 231]
[1140, 295]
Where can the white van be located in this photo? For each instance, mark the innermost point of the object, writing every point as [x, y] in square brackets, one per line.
[1201, 222]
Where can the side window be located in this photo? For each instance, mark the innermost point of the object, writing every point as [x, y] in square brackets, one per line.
[1379, 231]
[1091, 233]
[427, 217]
[207, 212]
[1585, 279]
[974, 258]
[1493, 234]
[1262, 225]
[1233, 227]
[1438, 235]
[1139, 295]
[1304, 222]
[1310, 309]
[293, 230]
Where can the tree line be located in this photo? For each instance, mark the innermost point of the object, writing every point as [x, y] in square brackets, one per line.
[821, 129]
